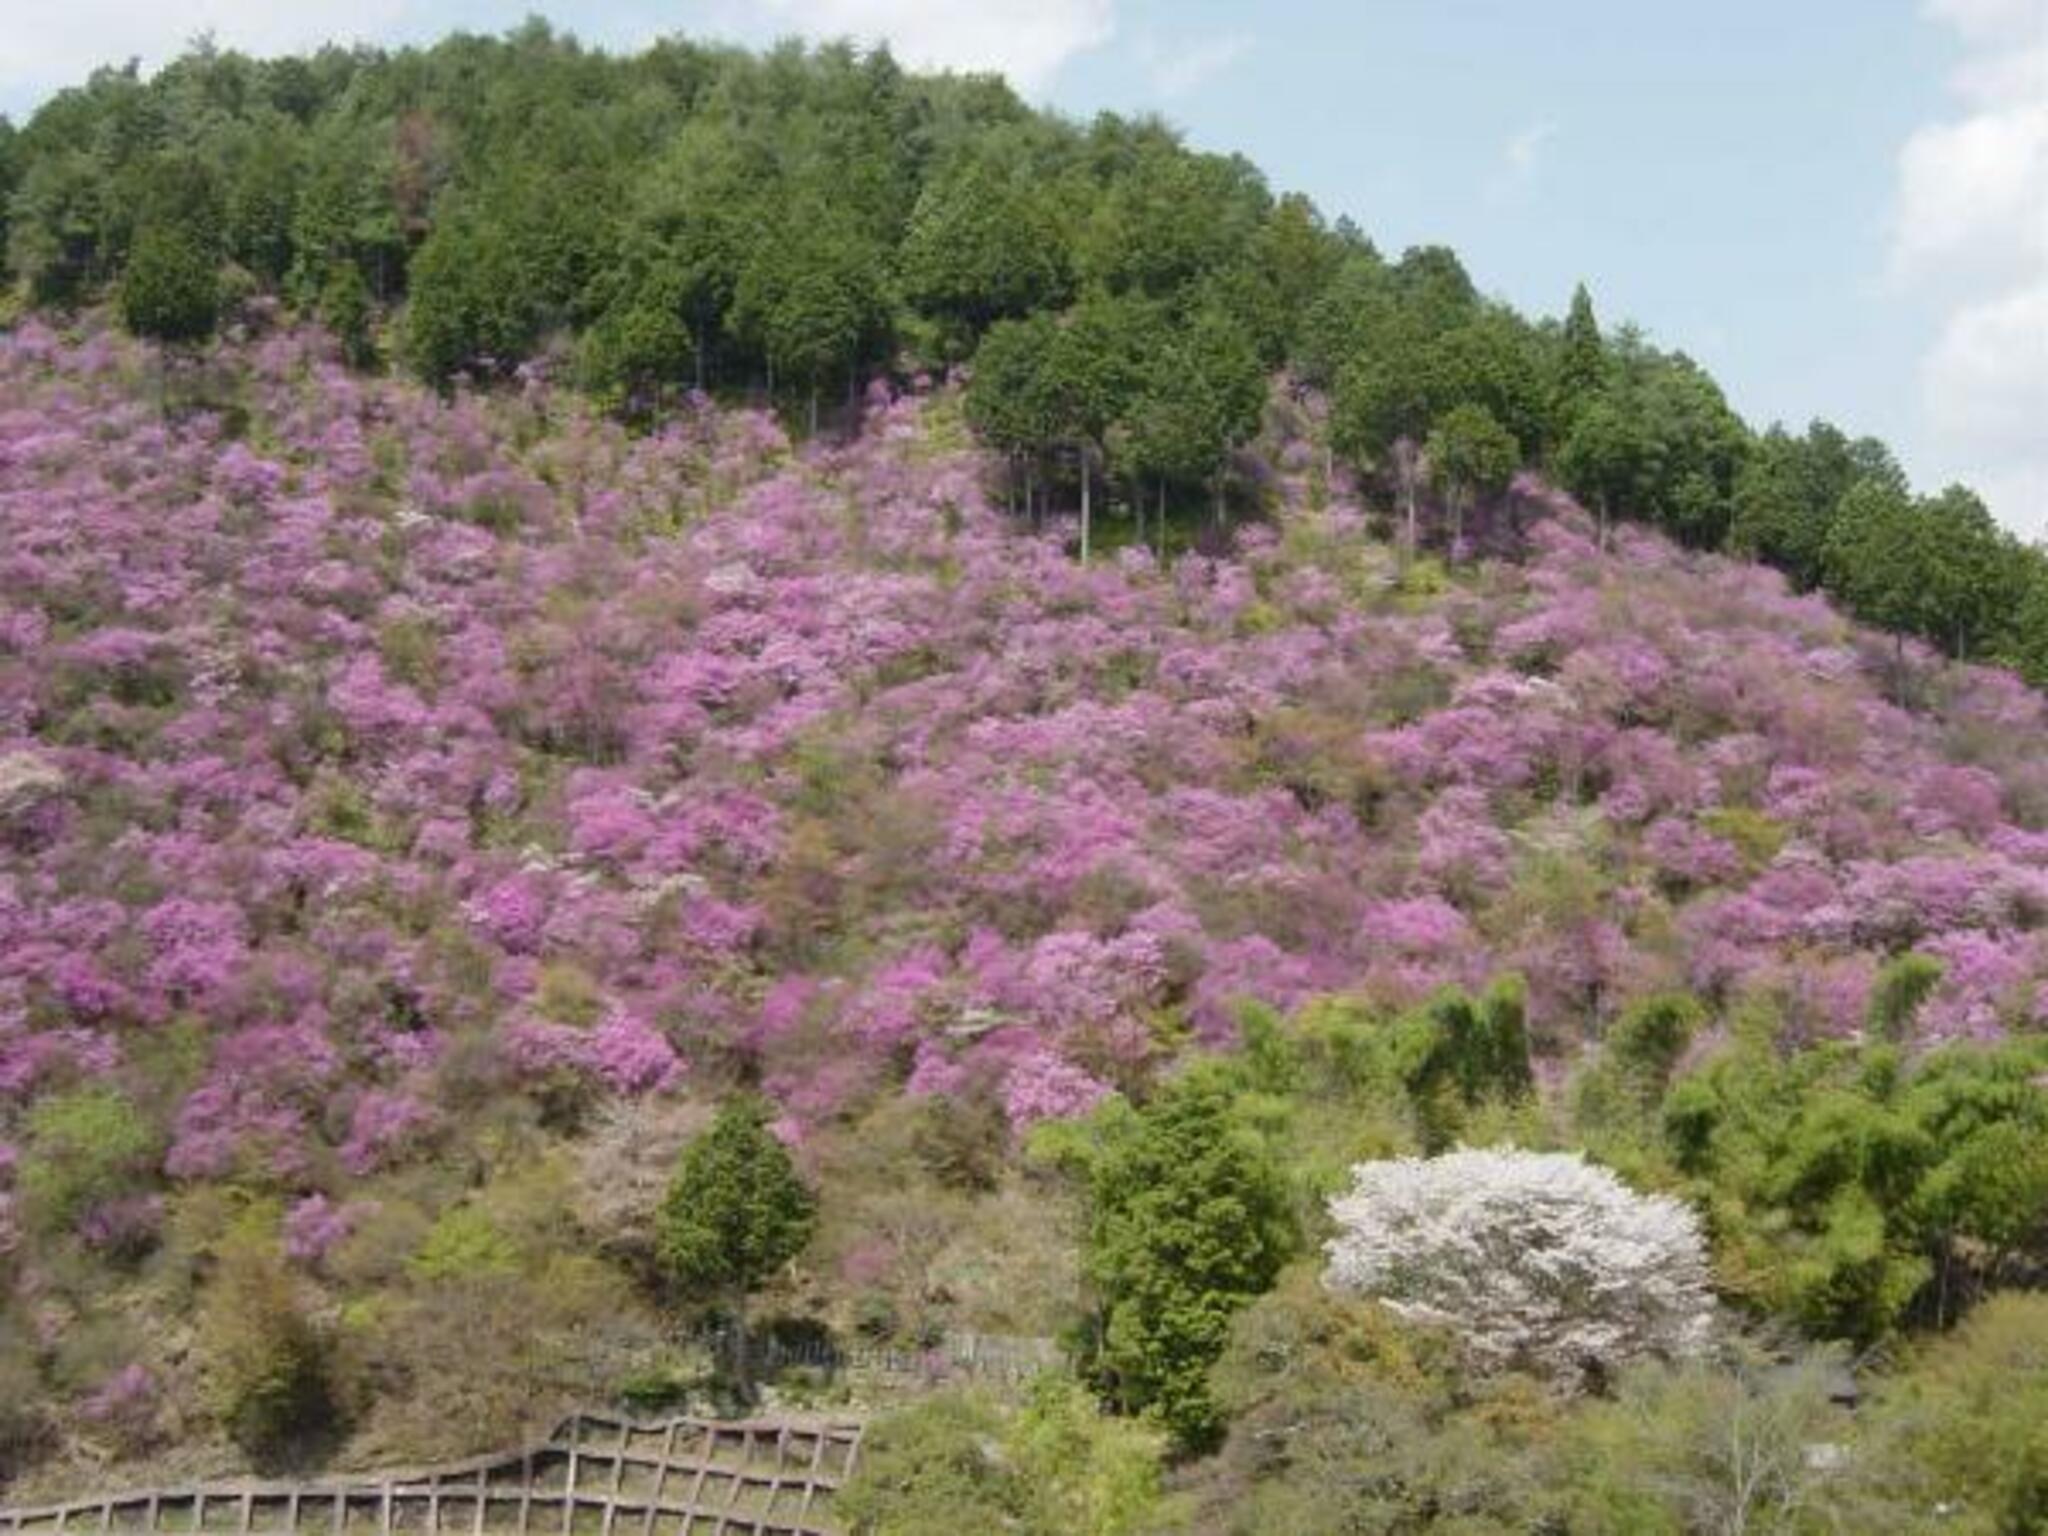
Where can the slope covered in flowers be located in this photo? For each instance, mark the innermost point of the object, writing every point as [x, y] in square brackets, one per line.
[390, 754]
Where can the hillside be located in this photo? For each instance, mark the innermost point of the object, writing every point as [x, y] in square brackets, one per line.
[416, 809]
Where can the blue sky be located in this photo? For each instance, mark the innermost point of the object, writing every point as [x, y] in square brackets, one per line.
[1840, 206]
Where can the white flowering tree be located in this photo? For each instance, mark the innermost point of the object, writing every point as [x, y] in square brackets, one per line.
[1540, 1260]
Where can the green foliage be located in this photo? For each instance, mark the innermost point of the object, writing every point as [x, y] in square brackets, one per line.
[1581, 357]
[1617, 1097]
[1169, 216]
[84, 1147]
[1679, 1449]
[932, 1469]
[810, 297]
[1459, 1053]
[1937, 567]
[1790, 491]
[1009, 399]
[345, 310]
[958, 1461]
[1846, 1189]
[1469, 454]
[464, 1243]
[1200, 389]
[268, 1366]
[1344, 1418]
[736, 1210]
[24, 1420]
[1650, 1036]
[635, 352]
[1964, 1428]
[58, 235]
[1905, 982]
[982, 245]
[170, 291]
[1656, 441]
[1090, 1473]
[470, 308]
[1757, 837]
[1188, 1219]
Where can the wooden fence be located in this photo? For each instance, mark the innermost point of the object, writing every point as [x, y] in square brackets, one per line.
[990, 1357]
[598, 1475]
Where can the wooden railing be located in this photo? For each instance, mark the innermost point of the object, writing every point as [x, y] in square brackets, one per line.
[994, 1358]
[598, 1475]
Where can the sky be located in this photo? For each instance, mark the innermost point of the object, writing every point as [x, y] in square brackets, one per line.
[1840, 207]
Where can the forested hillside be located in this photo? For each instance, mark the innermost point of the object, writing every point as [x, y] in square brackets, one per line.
[791, 223]
[666, 723]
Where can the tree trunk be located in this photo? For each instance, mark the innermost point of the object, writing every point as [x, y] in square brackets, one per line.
[1162, 520]
[1085, 508]
[1603, 522]
[1222, 478]
[742, 1353]
[1408, 497]
[700, 356]
[1457, 524]
[814, 407]
[1138, 508]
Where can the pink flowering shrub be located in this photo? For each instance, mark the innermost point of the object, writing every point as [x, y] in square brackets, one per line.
[126, 1407]
[1042, 1086]
[316, 1224]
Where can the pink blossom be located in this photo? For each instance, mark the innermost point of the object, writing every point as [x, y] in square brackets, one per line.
[1042, 1086]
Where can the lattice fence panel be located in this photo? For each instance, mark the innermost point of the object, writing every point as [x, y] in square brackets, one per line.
[597, 1475]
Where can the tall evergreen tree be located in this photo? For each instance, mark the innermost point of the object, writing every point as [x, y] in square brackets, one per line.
[735, 1212]
[1582, 355]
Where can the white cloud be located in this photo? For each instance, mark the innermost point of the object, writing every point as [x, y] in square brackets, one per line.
[1027, 40]
[1984, 397]
[1970, 232]
[1973, 195]
[1177, 69]
[1989, 20]
[54, 44]
[1511, 182]
[1524, 148]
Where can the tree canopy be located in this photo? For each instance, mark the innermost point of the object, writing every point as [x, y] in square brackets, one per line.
[789, 223]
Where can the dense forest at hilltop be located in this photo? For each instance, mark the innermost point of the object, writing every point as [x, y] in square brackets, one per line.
[566, 803]
[795, 222]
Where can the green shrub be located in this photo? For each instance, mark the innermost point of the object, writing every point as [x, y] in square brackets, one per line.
[83, 1147]
[1852, 1189]
[1757, 837]
[463, 1243]
[170, 291]
[1964, 1428]
[1905, 982]
[958, 1461]
[268, 1366]
[1458, 1053]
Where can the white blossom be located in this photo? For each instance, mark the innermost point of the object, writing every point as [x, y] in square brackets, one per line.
[1541, 1261]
